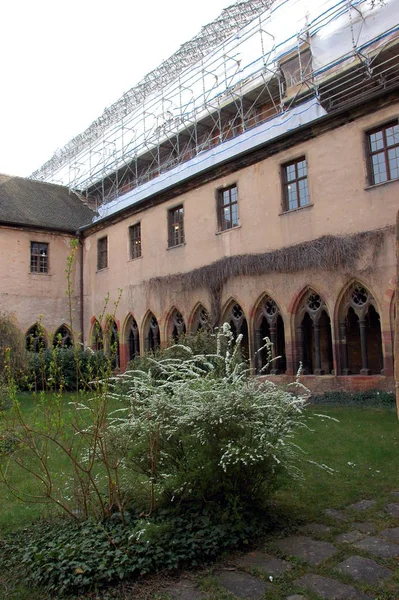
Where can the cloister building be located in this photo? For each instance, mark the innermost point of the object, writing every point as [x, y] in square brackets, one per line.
[257, 185]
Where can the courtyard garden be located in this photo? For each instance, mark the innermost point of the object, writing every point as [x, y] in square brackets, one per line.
[186, 478]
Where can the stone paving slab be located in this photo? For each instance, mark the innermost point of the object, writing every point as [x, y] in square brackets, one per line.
[364, 527]
[306, 548]
[185, 590]
[391, 534]
[337, 515]
[378, 547]
[350, 537]
[392, 509]
[315, 529]
[330, 589]
[364, 570]
[269, 565]
[243, 585]
[363, 505]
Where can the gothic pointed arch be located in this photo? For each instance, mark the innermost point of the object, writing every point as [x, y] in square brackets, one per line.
[112, 342]
[152, 338]
[199, 319]
[176, 326]
[269, 324]
[314, 339]
[63, 337]
[35, 338]
[235, 317]
[132, 338]
[359, 332]
[96, 336]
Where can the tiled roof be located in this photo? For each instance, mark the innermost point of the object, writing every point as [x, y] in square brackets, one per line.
[28, 202]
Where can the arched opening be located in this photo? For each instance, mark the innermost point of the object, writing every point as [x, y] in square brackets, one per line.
[35, 338]
[269, 324]
[62, 338]
[152, 339]
[360, 333]
[133, 339]
[97, 341]
[200, 320]
[176, 326]
[314, 339]
[113, 344]
[235, 317]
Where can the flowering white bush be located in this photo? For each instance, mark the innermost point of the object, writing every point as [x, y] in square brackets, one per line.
[202, 428]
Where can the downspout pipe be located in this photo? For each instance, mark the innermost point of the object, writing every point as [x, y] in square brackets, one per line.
[81, 289]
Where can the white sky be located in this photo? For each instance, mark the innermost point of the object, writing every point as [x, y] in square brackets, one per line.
[63, 62]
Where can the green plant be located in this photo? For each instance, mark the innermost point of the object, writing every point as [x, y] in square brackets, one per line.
[89, 486]
[66, 368]
[201, 429]
[11, 338]
[366, 398]
[67, 557]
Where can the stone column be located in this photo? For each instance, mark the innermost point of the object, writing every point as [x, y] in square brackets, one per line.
[343, 348]
[316, 330]
[299, 330]
[258, 344]
[363, 344]
[273, 339]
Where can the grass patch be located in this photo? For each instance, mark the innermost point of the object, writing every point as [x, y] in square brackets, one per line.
[361, 447]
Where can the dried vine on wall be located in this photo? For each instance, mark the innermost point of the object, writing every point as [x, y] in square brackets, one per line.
[327, 253]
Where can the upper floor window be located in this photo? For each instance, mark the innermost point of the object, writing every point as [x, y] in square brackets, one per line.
[135, 240]
[176, 226]
[102, 253]
[295, 184]
[228, 208]
[38, 257]
[383, 150]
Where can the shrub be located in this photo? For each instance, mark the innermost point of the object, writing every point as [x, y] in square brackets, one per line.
[201, 429]
[367, 398]
[67, 368]
[12, 348]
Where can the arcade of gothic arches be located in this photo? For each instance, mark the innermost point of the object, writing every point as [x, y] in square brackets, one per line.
[357, 331]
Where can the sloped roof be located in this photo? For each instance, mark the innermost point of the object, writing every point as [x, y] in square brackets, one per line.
[27, 202]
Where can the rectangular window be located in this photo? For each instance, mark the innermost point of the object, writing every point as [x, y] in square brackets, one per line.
[176, 226]
[228, 208]
[383, 152]
[295, 184]
[38, 257]
[135, 240]
[102, 253]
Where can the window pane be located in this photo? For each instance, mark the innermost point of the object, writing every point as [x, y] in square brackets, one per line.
[376, 141]
[292, 196]
[226, 218]
[302, 168]
[290, 172]
[379, 168]
[392, 135]
[393, 157]
[234, 215]
[303, 192]
[226, 197]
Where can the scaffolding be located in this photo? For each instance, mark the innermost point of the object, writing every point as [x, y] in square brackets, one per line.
[259, 60]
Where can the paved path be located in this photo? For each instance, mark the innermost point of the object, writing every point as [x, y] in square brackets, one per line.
[339, 559]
